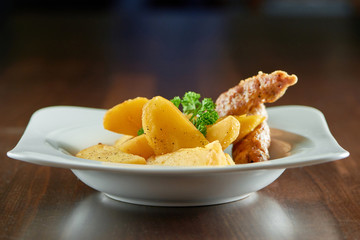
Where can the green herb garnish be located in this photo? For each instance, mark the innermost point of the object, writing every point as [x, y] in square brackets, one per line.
[202, 113]
[141, 131]
[176, 101]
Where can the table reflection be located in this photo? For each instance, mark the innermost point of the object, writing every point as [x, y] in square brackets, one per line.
[258, 216]
[97, 214]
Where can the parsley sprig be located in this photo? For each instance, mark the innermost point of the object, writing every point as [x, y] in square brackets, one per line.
[140, 132]
[201, 113]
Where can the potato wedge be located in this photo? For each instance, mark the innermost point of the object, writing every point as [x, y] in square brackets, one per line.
[229, 159]
[125, 117]
[106, 153]
[248, 124]
[138, 146]
[122, 139]
[167, 129]
[226, 131]
[210, 155]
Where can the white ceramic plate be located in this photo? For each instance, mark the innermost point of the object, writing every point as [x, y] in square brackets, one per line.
[300, 137]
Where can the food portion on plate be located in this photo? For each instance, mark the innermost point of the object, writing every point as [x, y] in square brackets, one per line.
[189, 131]
[248, 97]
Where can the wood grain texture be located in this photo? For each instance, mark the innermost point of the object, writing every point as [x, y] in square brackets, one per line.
[103, 59]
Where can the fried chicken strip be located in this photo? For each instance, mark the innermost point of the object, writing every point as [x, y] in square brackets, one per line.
[248, 97]
[254, 146]
[249, 93]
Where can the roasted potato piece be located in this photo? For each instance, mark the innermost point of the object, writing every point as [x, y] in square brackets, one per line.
[125, 117]
[122, 139]
[106, 153]
[226, 131]
[248, 124]
[138, 146]
[229, 159]
[210, 155]
[167, 129]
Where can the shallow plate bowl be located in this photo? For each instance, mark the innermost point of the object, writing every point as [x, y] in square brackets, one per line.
[300, 137]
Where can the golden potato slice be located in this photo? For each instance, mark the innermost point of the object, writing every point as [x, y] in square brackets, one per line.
[210, 155]
[229, 159]
[106, 153]
[248, 124]
[167, 129]
[125, 117]
[122, 139]
[138, 146]
[226, 131]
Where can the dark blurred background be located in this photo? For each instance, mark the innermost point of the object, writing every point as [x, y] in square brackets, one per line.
[173, 45]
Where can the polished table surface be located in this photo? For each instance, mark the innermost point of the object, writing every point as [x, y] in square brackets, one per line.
[100, 59]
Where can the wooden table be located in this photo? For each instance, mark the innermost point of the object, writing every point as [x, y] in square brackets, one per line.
[98, 60]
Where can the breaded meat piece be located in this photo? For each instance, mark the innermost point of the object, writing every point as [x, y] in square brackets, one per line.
[254, 146]
[248, 97]
[249, 93]
[258, 110]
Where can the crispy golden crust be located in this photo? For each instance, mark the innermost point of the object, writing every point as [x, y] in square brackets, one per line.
[253, 147]
[258, 110]
[248, 97]
[249, 93]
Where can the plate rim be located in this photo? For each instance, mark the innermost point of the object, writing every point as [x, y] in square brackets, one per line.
[55, 158]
